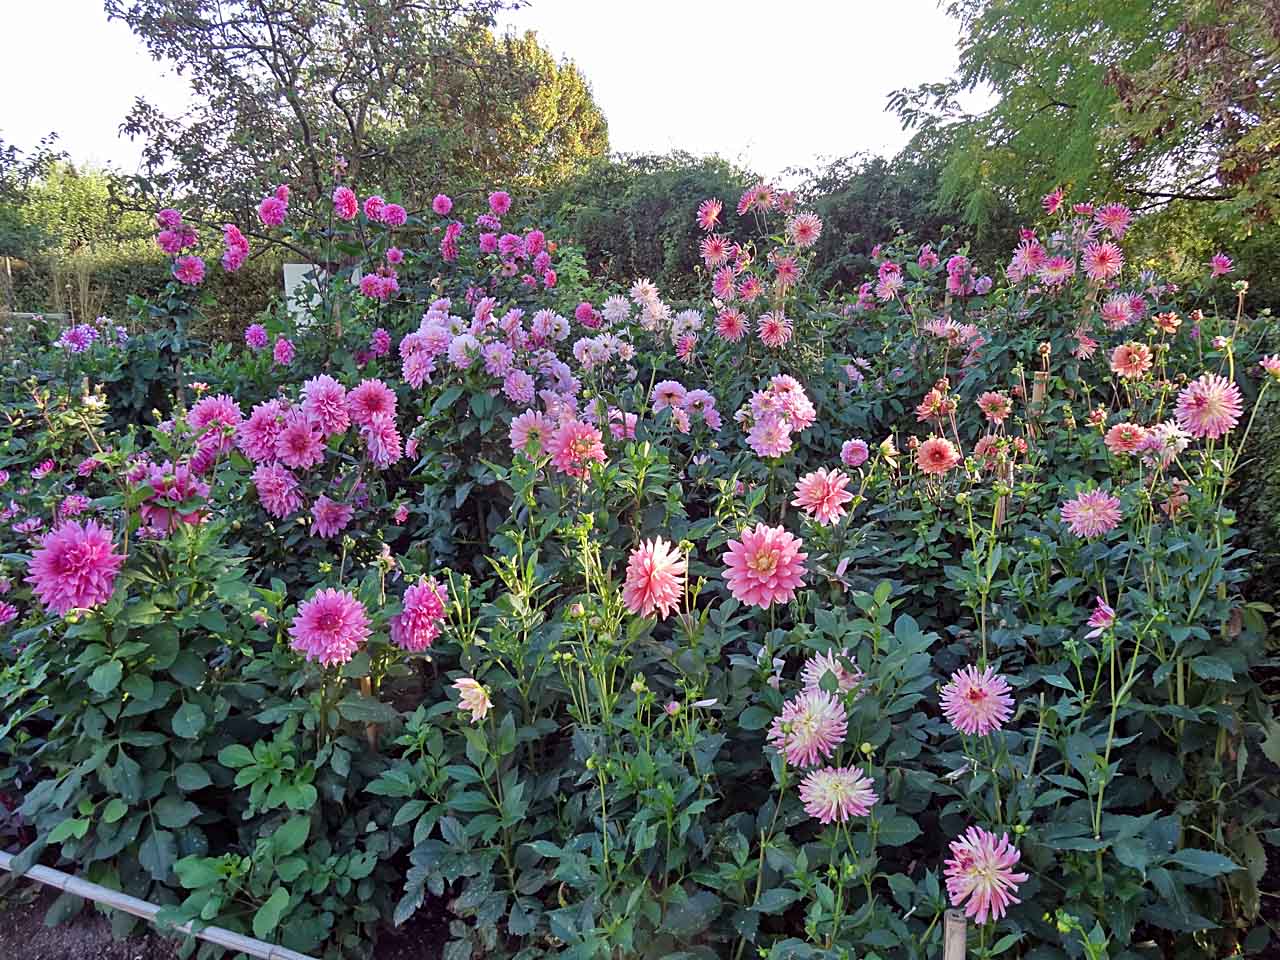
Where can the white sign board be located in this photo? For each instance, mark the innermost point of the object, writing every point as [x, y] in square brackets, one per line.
[301, 297]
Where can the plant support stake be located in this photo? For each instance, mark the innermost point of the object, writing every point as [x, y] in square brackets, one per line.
[954, 935]
[147, 911]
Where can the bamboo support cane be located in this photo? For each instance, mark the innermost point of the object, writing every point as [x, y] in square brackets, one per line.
[954, 935]
[148, 911]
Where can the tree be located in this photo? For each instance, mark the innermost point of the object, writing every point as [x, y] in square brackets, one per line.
[19, 172]
[415, 94]
[1159, 101]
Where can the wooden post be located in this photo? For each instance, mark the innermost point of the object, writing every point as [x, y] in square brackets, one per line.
[954, 935]
[148, 911]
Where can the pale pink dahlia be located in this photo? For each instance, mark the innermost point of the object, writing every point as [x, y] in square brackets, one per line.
[810, 728]
[981, 872]
[833, 662]
[330, 627]
[1102, 261]
[834, 794]
[1114, 217]
[329, 517]
[655, 579]
[473, 698]
[977, 702]
[804, 229]
[770, 437]
[1091, 514]
[1103, 616]
[1209, 407]
[774, 329]
[574, 446]
[822, 495]
[74, 567]
[214, 419]
[995, 406]
[731, 324]
[418, 626]
[531, 427]
[854, 453]
[765, 566]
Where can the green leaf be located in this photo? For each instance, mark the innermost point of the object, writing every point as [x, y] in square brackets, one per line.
[358, 709]
[191, 777]
[114, 810]
[196, 872]
[755, 718]
[291, 836]
[174, 812]
[106, 677]
[268, 916]
[188, 721]
[895, 831]
[776, 900]
[71, 827]
[1212, 668]
[1203, 862]
[158, 854]
[235, 756]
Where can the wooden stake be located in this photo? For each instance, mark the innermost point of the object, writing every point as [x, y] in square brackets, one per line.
[148, 911]
[954, 935]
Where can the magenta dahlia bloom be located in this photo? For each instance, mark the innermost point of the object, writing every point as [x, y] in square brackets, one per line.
[237, 248]
[74, 567]
[1220, 265]
[329, 517]
[300, 444]
[394, 215]
[1091, 514]
[171, 487]
[804, 229]
[774, 329]
[731, 324]
[255, 335]
[500, 203]
[277, 490]
[822, 494]
[325, 401]
[835, 794]
[282, 353]
[382, 440]
[709, 214]
[257, 436]
[370, 399]
[214, 419]
[8, 612]
[655, 578]
[330, 627]
[765, 566]
[980, 871]
[345, 204]
[1103, 616]
[810, 728]
[189, 270]
[977, 703]
[1209, 407]
[420, 623]
[1114, 217]
[442, 204]
[574, 446]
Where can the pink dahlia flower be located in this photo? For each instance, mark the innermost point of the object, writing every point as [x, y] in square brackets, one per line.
[329, 517]
[655, 578]
[834, 794]
[345, 204]
[1209, 407]
[189, 270]
[370, 399]
[324, 400]
[473, 698]
[300, 444]
[420, 622]
[272, 210]
[171, 488]
[256, 437]
[774, 329]
[709, 214]
[531, 428]
[980, 871]
[995, 406]
[822, 494]
[765, 566]
[1125, 438]
[1091, 514]
[500, 203]
[442, 204]
[574, 446]
[937, 456]
[977, 702]
[854, 453]
[833, 662]
[255, 335]
[277, 490]
[1102, 261]
[1103, 616]
[283, 351]
[804, 229]
[810, 728]
[1220, 265]
[330, 627]
[1131, 360]
[74, 567]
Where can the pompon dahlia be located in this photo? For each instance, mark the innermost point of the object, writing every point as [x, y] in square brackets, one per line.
[833, 661]
[74, 567]
[822, 495]
[574, 446]
[937, 455]
[655, 578]
[765, 566]
[977, 702]
[1209, 407]
[324, 399]
[277, 490]
[810, 728]
[980, 871]
[854, 453]
[1091, 514]
[330, 627]
[835, 794]
[329, 517]
[418, 626]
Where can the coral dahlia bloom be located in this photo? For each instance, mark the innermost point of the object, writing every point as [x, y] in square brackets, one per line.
[472, 698]
[765, 566]
[330, 627]
[574, 446]
[329, 517]
[810, 728]
[528, 428]
[74, 567]
[1131, 360]
[980, 871]
[834, 794]
[937, 455]
[822, 495]
[1209, 407]
[1125, 438]
[1091, 514]
[996, 406]
[977, 702]
[655, 578]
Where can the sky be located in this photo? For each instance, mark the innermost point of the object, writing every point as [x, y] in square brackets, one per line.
[764, 85]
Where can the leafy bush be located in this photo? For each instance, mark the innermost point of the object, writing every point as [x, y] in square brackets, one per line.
[667, 631]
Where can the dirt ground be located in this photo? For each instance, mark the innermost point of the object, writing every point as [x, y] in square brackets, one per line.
[24, 936]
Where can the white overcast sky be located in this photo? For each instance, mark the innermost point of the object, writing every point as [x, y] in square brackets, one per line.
[764, 84]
